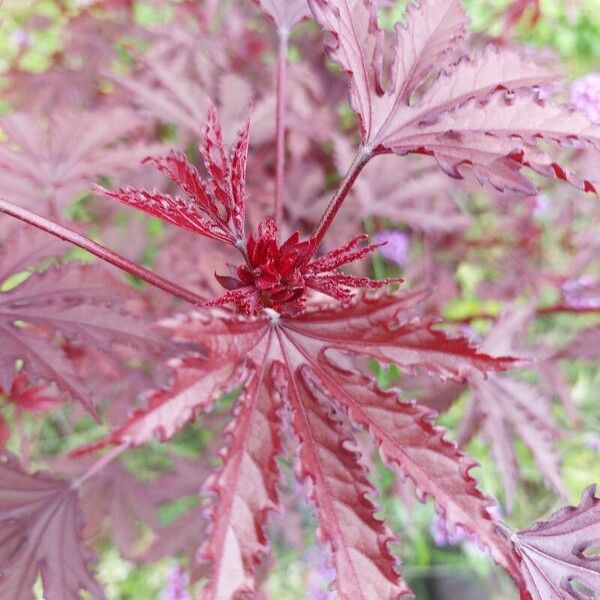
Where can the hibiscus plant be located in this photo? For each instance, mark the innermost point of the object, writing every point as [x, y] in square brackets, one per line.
[264, 315]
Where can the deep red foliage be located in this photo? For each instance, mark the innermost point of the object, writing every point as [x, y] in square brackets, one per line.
[485, 112]
[293, 341]
[31, 398]
[215, 209]
[309, 361]
[278, 277]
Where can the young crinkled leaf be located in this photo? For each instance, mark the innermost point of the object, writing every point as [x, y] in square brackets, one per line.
[559, 558]
[316, 352]
[39, 515]
[214, 208]
[468, 114]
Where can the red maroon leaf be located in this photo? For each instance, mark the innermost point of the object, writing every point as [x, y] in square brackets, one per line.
[407, 438]
[246, 492]
[38, 516]
[338, 484]
[356, 43]
[466, 115]
[558, 555]
[322, 346]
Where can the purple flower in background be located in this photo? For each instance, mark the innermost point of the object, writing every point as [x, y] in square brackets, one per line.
[320, 576]
[397, 246]
[593, 443]
[585, 95]
[441, 536]
[541, 205]
[177, 585]
[582, 292]
[19, 37]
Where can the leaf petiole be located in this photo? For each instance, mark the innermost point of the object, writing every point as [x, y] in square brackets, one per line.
[282, 67]
[64, 233]
[358, 164]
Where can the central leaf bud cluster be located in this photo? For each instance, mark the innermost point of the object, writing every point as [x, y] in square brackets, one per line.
[273, 275]
[278, 277]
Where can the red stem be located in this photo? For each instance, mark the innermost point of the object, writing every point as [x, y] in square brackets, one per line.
[64, 233]
[282, 65]
[359, 162]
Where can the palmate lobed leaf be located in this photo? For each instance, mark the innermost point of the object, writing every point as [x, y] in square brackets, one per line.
[47, 161]
[504, 407]
[40, 535]
[560, 554]
[311, 360]
[466, 115]
[77, 301]
[309, 363]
